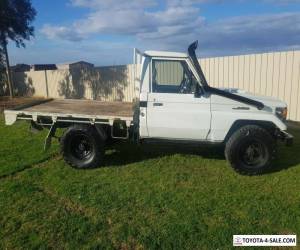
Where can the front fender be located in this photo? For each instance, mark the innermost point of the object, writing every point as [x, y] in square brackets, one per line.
[224, 123]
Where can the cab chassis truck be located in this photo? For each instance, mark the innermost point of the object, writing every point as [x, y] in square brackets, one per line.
[179, 107]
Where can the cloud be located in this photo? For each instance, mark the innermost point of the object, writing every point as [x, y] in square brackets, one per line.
[128, 18]
[282, 2]
[176, 23]
[61, 32]
[252, 33]
[113, 5]
[244, 34]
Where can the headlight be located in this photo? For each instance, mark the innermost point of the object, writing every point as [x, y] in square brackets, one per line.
[281, 113]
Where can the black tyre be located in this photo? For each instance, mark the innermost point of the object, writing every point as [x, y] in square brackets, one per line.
[82, 147]
[250, 150]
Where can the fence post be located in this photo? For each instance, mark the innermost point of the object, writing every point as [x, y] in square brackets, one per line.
[46, 82]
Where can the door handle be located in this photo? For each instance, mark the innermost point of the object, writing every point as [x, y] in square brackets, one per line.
[158, 104]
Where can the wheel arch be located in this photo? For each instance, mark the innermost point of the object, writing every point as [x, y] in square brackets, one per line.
[101, 130]
[268, 125]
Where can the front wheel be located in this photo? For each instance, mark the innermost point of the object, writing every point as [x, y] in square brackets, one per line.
[250, 150]
[82, 147]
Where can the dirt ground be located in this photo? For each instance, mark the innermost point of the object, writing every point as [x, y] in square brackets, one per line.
[6, 102]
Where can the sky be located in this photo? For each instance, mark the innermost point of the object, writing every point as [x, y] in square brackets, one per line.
[104, 32]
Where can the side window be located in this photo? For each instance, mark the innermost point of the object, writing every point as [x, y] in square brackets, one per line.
[172, 77]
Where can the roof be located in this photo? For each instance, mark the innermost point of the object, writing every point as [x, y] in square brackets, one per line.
[20, 67]
[68, 65]
[75, 62]
[37, 67]
[81, 62]
[153, 53]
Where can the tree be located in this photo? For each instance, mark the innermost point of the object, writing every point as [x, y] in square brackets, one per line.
[2, 73]
[16, 17]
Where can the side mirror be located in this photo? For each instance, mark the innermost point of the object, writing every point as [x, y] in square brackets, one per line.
[197, 93]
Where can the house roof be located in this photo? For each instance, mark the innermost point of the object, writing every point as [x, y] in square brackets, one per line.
[20, 67]
[76, 62]
[44, 67]
[83, 62]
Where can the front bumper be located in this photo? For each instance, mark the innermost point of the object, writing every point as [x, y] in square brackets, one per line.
[287, 138]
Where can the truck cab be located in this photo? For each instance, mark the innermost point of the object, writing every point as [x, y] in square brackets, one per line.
[172, 104]
[178, 105]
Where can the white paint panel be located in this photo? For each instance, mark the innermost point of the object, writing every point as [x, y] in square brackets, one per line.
[178, 116]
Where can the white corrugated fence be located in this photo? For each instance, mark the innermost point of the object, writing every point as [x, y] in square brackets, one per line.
[271, 74]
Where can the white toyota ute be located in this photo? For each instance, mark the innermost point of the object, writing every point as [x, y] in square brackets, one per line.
[176, 105]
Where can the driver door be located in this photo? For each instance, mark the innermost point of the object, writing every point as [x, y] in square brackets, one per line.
[173, 111]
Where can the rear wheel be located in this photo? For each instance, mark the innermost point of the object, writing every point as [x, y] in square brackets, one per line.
[82, 147]
[250, 150]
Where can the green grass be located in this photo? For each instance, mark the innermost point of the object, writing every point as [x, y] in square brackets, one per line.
[141, 198]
